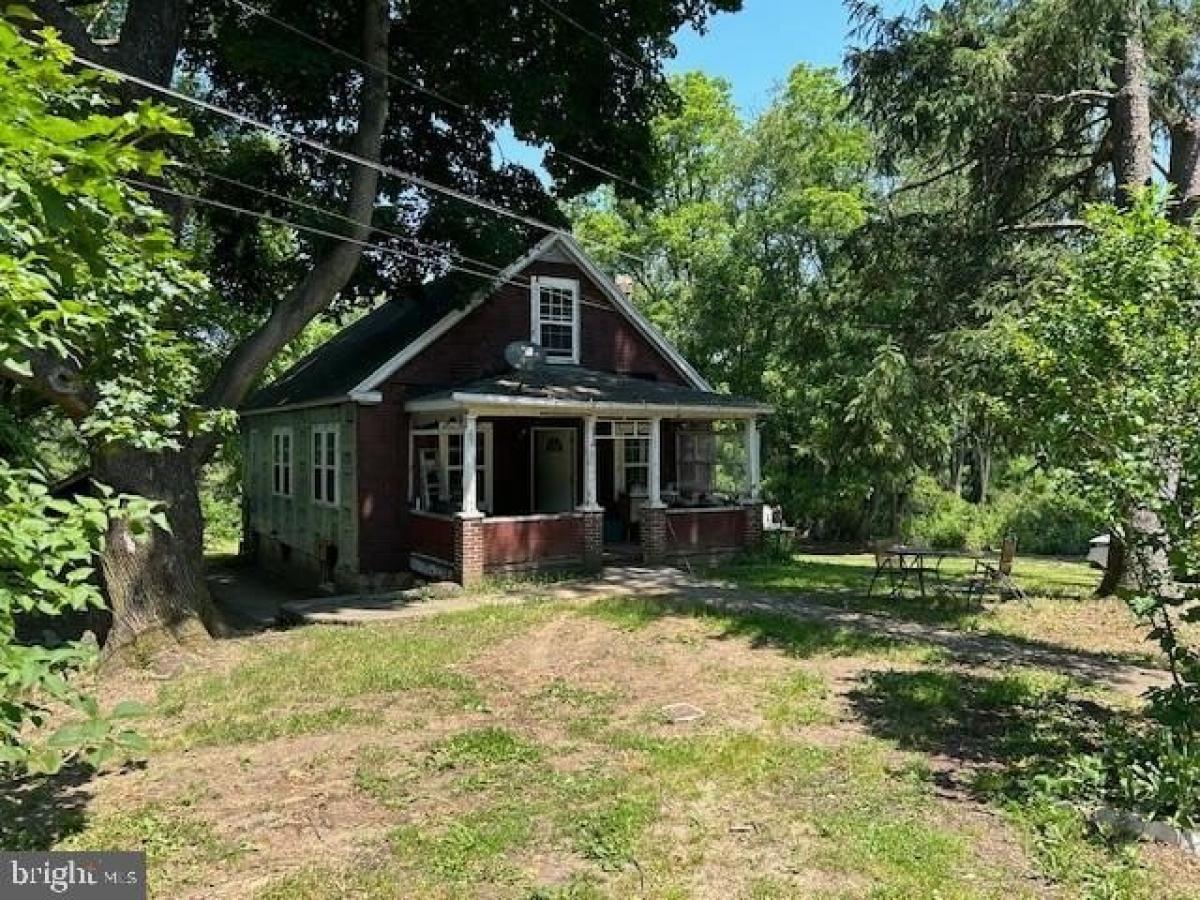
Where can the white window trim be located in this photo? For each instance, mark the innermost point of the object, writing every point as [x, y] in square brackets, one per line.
[321, 468]
[630, 430]
[536, 283]
[277, 463]
[443, 431]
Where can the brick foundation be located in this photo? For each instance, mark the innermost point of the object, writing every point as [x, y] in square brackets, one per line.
[654, 533]
[468, 550]
[754, 524]
[593, 539]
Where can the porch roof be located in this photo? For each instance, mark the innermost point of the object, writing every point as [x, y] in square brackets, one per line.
[573, 389]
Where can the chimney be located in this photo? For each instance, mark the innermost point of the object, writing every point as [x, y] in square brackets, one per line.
[625, 283]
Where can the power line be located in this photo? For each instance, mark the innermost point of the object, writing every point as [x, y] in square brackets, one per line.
[313, 207]
[321, 232]
[417, 86]
[333, 48]
[554, 10]
[355, 158]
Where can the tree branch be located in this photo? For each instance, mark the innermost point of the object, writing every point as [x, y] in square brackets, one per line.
[53, 380]
[333, 270]
[1049, 225]
[151, 34]
[72, 29]
[934, 178]
[1087, 97]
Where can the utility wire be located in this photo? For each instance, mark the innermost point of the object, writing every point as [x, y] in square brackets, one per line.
[355, 158]
[313, 207]
[417, 86]
[554, 10]
[277, 220]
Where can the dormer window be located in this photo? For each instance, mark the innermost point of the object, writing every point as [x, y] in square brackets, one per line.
[555, 317]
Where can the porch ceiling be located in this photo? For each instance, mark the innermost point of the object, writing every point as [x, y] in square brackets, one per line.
[563, 389]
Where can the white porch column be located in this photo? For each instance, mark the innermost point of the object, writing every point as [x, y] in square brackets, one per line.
[753, 477]
[470, 503]
[590, 496]
[654, 488]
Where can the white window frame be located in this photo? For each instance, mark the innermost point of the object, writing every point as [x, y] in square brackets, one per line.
[283, 482]
[320, 469]
[631, 431]
[535, 316]
[483, 461]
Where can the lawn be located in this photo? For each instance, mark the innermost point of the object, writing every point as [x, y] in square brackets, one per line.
[1061, 610]
[528, 751]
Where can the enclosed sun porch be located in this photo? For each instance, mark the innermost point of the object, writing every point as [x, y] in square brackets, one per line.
[569, 468]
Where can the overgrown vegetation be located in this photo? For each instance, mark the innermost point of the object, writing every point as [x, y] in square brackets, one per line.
[86, 271]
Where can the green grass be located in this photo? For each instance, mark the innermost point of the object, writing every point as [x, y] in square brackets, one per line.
[181, 849]
[1068, 851]
[565, 783]
[1060, 610]
[483, 747]
[609, 833]
[470, 847]
[1005, 718]
[851, 573]
[312, 682]
[798, 700]
[797, 637]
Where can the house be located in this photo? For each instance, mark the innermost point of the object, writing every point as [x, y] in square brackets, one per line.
[540, 422]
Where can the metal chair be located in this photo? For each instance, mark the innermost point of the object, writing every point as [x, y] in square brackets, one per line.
[885, 560]
[997, 574]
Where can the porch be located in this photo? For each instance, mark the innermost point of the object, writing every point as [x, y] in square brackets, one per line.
[498, 482]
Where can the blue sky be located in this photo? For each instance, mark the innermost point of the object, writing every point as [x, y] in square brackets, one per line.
[754, 50]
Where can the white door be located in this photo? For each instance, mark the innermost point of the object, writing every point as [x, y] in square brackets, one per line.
[553, 470]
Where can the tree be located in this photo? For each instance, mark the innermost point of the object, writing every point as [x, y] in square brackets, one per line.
[89, 275]
[745, 239]
[1112, 370]
[1032, 110]
[431, 90]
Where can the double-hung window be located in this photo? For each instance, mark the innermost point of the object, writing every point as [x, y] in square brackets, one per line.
[555, 316]
[281, 462]
[324, 464]
[696, 455]
[632, 457]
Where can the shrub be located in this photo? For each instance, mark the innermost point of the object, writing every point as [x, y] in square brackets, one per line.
[1152, 770]
[1047, 517]
[943, 520]
[1040, 510]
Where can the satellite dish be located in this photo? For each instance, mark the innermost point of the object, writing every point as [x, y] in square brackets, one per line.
[524, 355]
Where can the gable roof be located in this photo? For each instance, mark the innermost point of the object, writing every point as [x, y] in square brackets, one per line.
[359, 359]
[330, 373]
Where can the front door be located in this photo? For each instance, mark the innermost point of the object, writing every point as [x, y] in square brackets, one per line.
[553, 470]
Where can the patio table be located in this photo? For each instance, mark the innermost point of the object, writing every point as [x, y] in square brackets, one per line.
[918, 562]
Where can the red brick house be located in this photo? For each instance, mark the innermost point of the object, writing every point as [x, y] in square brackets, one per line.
[542, 421]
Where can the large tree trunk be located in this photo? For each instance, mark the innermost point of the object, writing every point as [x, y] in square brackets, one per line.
[1133, 141]
[1114, 569]
[157, 588]
[1133, 162]
[155, 584]
[1184, 171]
